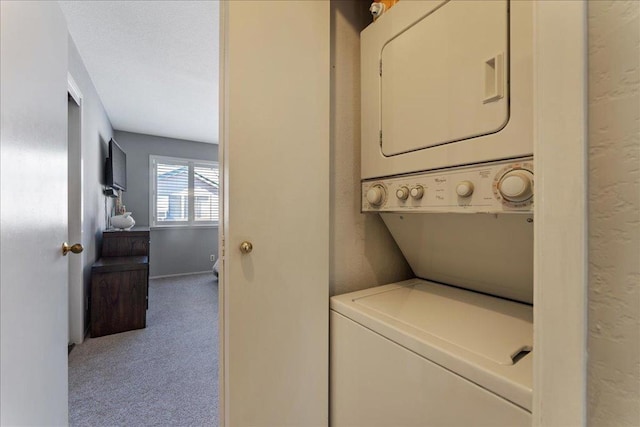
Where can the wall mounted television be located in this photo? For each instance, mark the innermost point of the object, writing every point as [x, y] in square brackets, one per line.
[116, 168]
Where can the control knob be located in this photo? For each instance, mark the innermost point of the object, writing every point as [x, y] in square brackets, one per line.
[516, 185]
[464, 188]
[376, 195]
[402, 193]
[417, 192]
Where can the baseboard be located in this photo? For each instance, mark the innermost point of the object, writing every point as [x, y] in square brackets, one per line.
[181, 274]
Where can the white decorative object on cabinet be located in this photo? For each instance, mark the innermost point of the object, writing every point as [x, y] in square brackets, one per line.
[123, 222]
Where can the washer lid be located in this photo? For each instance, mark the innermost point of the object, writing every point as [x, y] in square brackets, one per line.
[496, 329]
[481, 338]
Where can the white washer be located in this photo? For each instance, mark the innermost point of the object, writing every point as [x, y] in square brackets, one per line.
[399, 358]
[452, 347]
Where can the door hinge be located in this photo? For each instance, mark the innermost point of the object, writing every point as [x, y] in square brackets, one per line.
[381, 138]
[381, 68]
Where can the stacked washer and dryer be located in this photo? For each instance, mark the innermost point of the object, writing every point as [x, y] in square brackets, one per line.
[447, 163]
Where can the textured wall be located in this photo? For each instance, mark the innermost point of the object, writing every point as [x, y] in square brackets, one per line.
[173, 250]
[362, 252]
[614, 218]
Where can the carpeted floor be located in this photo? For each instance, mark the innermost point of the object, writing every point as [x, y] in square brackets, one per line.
[164, 375]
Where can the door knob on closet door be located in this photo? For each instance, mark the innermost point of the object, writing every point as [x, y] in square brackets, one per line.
[246, 247]
[76, 249]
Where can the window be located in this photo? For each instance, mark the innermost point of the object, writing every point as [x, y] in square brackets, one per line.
[183, 192]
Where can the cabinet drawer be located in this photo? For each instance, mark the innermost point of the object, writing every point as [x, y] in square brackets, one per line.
[125, 243]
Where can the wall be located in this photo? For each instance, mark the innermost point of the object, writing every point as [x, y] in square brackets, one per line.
[96, 133]
[614, 218]
[362, 252]
[173, 250]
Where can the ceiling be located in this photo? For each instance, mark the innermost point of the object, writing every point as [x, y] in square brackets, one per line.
[153, 63]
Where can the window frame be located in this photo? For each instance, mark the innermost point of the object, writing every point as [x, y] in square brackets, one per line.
[191, 196]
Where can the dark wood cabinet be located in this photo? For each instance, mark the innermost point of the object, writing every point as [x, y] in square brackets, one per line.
[120, 283]
[134, 242]
[119, 288]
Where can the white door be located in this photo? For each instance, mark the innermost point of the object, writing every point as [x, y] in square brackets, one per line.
[33, 214]
[275, 142]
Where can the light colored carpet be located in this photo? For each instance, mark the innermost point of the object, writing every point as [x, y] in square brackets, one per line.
[164, 375]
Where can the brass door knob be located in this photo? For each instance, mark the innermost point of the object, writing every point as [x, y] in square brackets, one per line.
[76, 249]
[246, 247]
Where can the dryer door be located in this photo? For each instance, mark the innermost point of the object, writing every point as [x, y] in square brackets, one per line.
[445, 78]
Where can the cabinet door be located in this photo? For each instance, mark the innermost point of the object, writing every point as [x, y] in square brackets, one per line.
[275, 300]
[118, 301]
[445, 78]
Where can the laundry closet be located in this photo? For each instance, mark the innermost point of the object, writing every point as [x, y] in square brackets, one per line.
[447, 163]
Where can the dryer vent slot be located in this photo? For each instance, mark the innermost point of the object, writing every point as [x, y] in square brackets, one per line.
[515, 357]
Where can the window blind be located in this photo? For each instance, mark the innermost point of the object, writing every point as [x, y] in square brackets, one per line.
[172, 194]
[205, 188]
[185, 192]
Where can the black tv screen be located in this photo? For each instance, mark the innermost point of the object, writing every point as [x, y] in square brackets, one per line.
[116, 167]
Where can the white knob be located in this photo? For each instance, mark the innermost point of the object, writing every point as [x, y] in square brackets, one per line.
[375, 195]
[516, 185]
[417, 192]
[402, 193]
[464, 188]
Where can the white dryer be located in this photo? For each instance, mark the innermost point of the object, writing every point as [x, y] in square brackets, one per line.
[446, 83]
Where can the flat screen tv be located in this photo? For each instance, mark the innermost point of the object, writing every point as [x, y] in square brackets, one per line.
[116, 169]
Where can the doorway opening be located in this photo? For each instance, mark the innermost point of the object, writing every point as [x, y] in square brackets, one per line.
[165, 373]
[78, 304]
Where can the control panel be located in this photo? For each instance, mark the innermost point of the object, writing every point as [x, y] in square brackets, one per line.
[496, 187]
